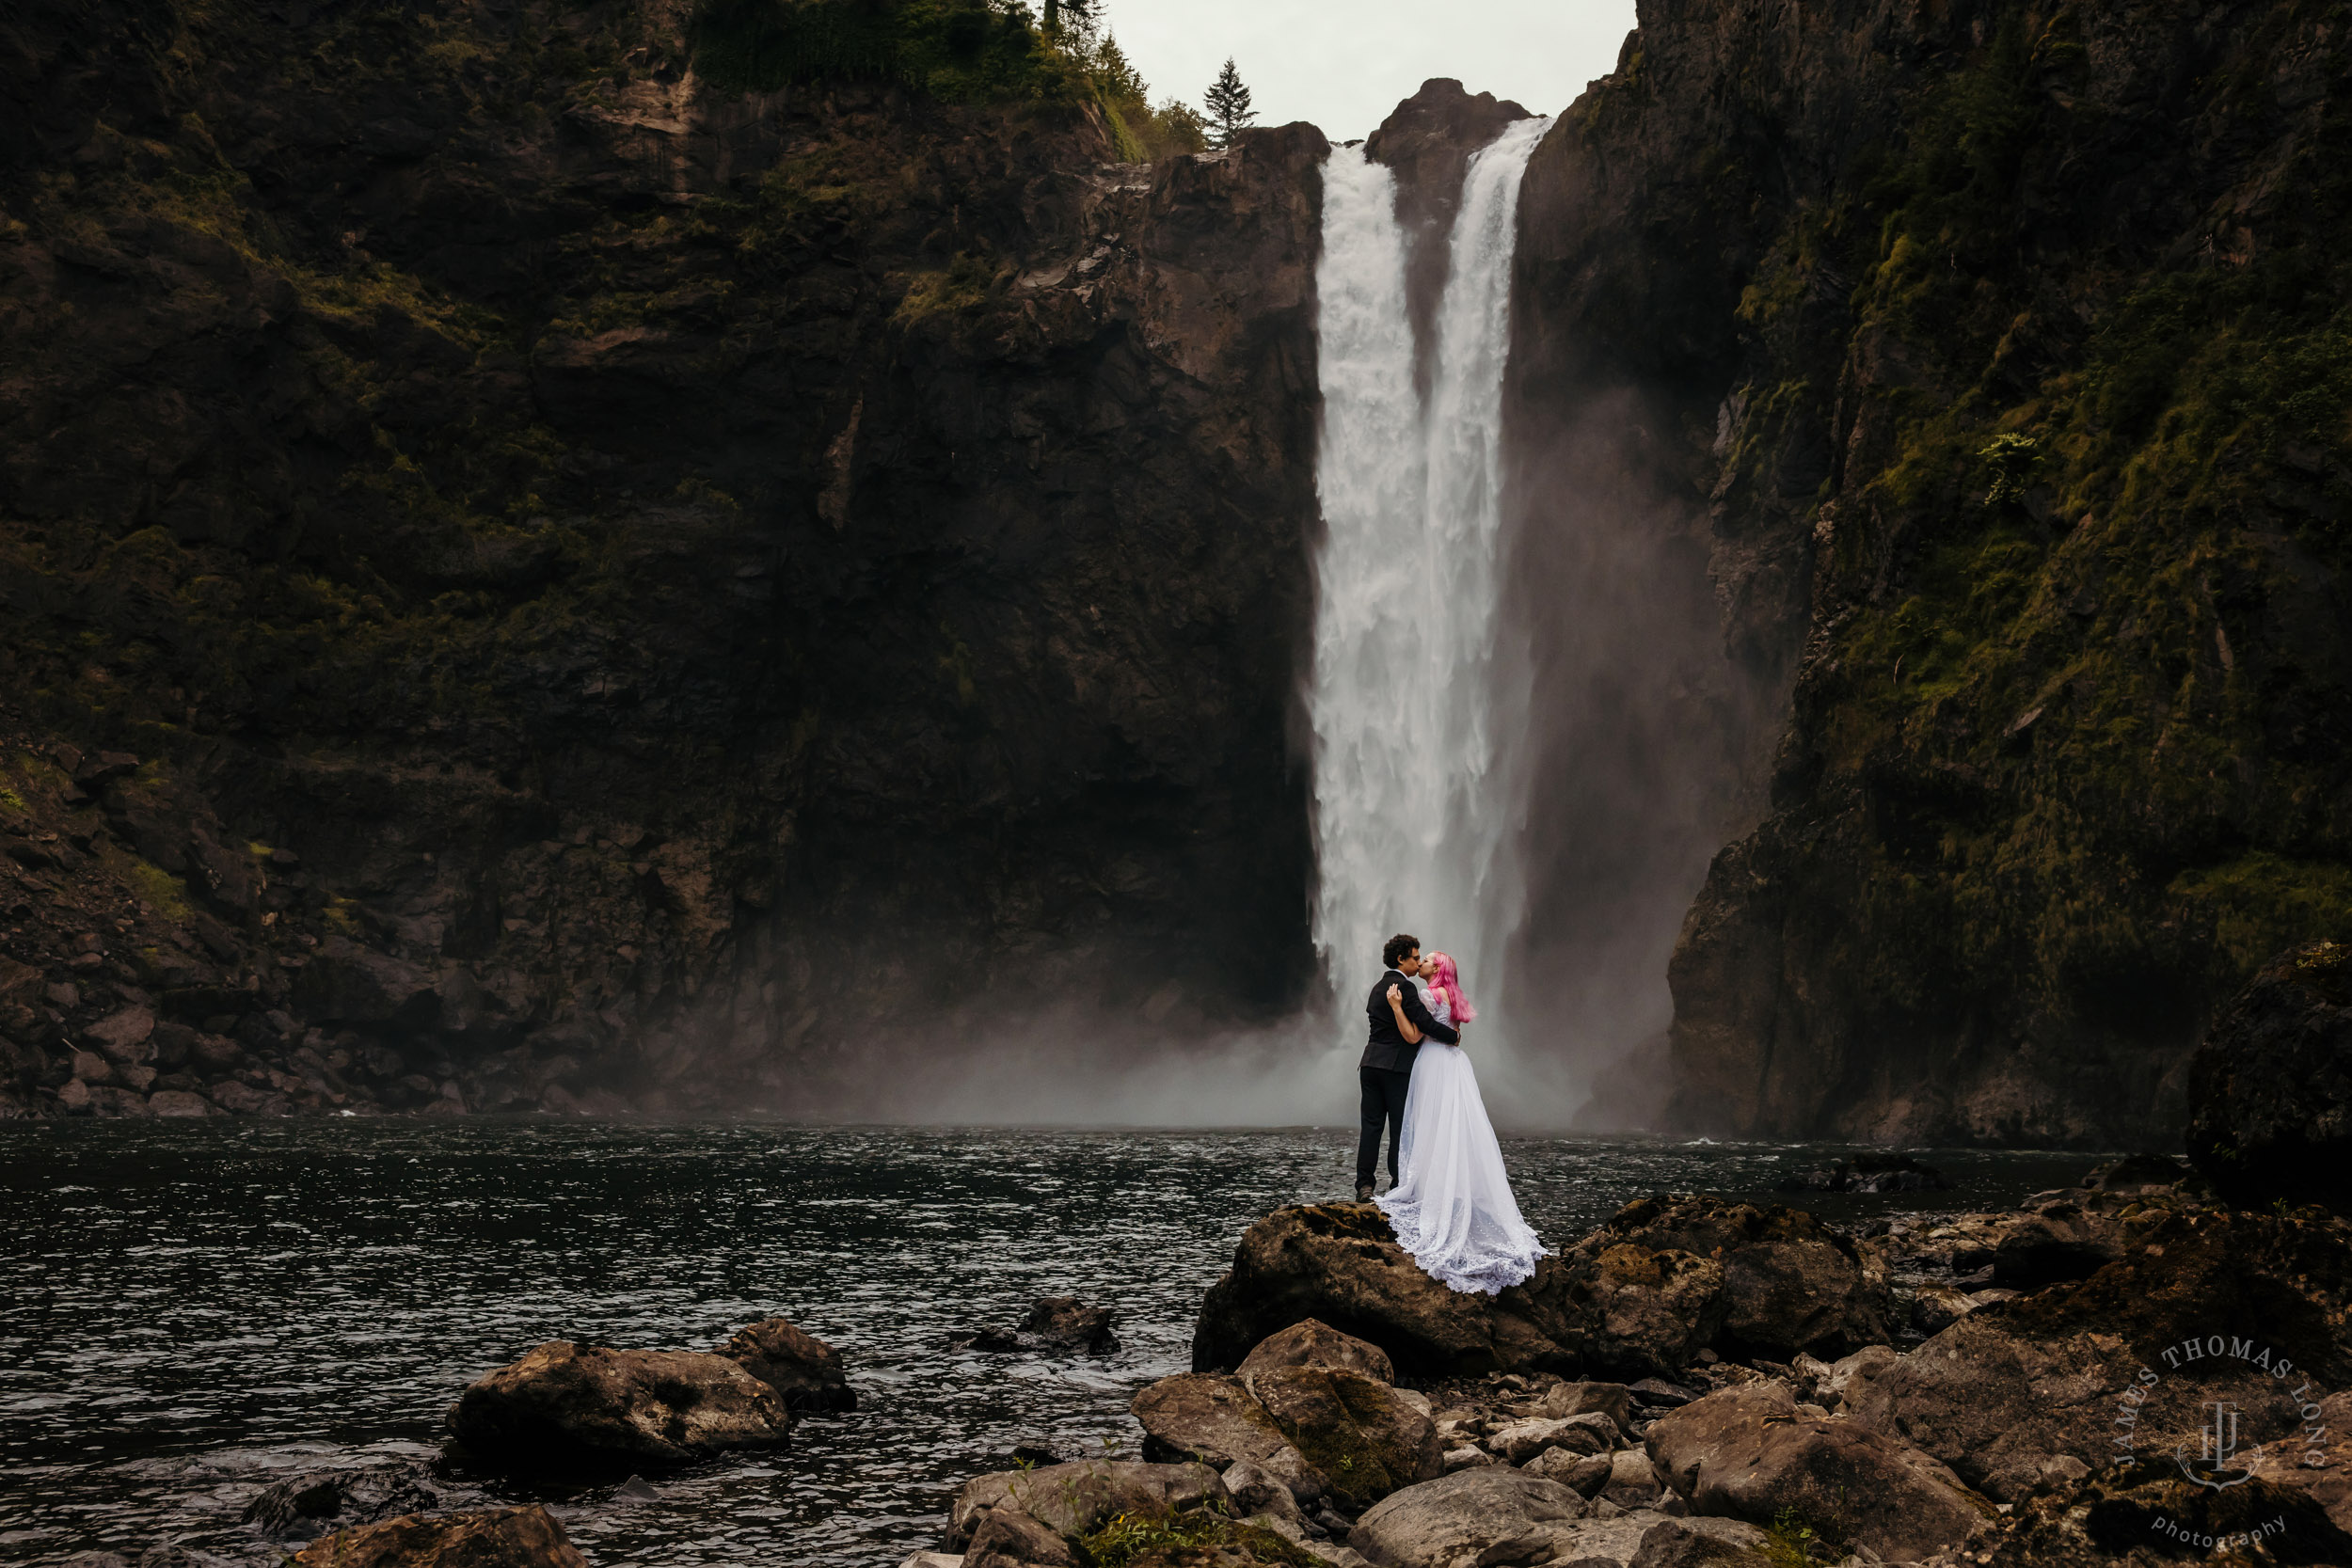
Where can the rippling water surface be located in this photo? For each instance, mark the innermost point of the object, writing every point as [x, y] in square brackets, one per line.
[193, 1310]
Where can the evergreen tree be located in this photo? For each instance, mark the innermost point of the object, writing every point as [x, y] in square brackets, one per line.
[1228, 102]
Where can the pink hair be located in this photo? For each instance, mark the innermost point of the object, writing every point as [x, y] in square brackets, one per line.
[1444, 977]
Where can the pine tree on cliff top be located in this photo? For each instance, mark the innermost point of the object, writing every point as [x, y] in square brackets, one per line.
[1228, 102]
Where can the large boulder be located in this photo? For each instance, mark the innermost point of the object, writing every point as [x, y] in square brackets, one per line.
[1748, 1453]
[799, 1366]
[1362, 1436]
[1338, 1264]
[1079, 1497]
[491, 1538]
[2019, 1386]
[568, 1406]
[2270, 1088]
[1207, 1419]
[1664, 1279]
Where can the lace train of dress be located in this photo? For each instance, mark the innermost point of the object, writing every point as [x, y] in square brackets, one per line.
[1453, 1211]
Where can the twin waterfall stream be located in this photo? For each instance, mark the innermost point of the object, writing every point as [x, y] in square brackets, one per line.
[1411, 708]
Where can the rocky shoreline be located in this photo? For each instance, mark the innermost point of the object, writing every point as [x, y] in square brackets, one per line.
[1698, 1380]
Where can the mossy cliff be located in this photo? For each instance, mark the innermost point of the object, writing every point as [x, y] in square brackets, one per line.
[1999, 355]
[676, 564]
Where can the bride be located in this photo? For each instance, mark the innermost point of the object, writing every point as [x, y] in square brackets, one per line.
[1453, 1211]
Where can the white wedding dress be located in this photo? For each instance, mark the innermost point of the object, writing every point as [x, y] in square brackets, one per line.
[1453, 1211]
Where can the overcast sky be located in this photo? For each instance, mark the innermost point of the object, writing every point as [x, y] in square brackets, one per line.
[1345, 65]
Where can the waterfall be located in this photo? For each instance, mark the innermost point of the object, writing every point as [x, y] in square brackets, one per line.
[1409, 807]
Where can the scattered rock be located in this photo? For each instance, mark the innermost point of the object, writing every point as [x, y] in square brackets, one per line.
[1613, 1400]
[2014, 1384]
[1592, 1432]
[1314, 1343]
[179, 1102]
[1702, 1544]
[2150, 1514]
[1078, 1498]
[1495, 1515]
[799, 1366]
[566, 1405]
[2270, 1088]
[1584, 1474]
[126, 1036]
[1005, 1537]
[1749, 1453]
[1936, 1307]
[492, 1538]
[1467, 1457]
[1631, 1482]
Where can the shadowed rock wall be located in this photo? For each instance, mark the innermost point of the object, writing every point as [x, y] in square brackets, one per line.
[608, 589]
[1991, 343]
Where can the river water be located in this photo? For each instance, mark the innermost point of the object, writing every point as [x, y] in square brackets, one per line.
[194, 1310]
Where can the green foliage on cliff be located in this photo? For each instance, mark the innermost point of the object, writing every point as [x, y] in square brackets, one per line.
[2090, 534]
[955, 50]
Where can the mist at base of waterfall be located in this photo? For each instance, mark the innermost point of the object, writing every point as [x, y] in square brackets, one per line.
[191, 1312]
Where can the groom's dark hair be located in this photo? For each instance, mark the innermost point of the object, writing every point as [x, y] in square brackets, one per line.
[1399, 944]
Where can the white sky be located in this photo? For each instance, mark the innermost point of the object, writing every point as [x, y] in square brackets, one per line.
[1343, 66]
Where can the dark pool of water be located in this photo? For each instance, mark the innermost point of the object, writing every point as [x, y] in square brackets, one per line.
[194, 1310]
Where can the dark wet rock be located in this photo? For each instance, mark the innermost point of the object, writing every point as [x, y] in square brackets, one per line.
[1868, 1173]
[1312, 1343]
[179, 1102]
[301, 1505]
[1363, 1437]
[1005, 1537]
[797, 1365]
[2270, 1087]
[1936, 1307]
[1055, 1325]
[492, 1538]
[2019, 1384]
[1079, 1497]
[568, 1406]
[1644, 1294]
[2060, 1241]
[1065, 1322]
[2150, 1516]
[2139, 1173]
[1750, 1454]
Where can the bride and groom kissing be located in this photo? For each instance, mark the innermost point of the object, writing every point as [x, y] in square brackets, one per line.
[1449, 1200]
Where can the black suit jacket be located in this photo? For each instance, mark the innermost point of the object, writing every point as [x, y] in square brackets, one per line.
[1386, 1047]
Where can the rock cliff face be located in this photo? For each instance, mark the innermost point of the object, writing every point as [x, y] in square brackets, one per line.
[1994, 352]
[536, 579]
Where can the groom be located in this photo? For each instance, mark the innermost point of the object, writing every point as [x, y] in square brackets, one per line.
[1386, 1069]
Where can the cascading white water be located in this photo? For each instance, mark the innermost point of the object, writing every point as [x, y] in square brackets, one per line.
[1408, 814]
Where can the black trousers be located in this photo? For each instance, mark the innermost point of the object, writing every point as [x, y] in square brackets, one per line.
[1384, 1101]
